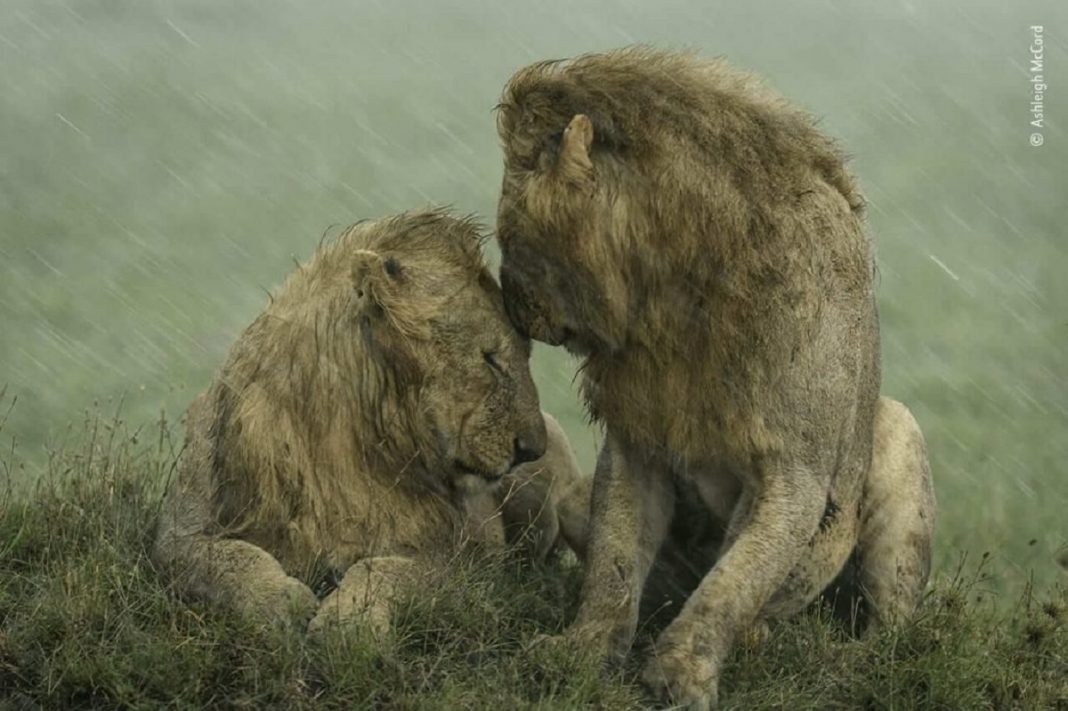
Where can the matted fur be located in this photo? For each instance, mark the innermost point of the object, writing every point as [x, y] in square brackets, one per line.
[702, 246]
[360, 423]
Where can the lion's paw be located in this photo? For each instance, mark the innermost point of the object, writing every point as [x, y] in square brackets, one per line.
[340, 610]
[286, 603]
[581, 642]
[551, 644]
[299, 602]
[679, 679]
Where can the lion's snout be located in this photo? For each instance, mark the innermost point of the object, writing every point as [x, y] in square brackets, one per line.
[530, 443]
[527, 314]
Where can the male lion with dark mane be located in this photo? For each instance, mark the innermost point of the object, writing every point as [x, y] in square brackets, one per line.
[377, 415]
[702, 246]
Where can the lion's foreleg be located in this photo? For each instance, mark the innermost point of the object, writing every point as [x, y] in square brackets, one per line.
[235, 574]
[530, 519]
[367, 594]
[573, 512]
[571, 488]
[631, 509]
[229, 572]
[781, 517]
[548, 499]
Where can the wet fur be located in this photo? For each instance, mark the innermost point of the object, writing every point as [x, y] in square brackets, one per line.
[702, 246]
[326, 447]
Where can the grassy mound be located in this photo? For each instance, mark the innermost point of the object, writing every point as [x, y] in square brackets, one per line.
[86, 621]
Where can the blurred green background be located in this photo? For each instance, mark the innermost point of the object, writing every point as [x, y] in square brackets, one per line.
[162, 163]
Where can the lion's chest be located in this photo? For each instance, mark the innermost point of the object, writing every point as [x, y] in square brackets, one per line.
[687, 412]
[338, 530]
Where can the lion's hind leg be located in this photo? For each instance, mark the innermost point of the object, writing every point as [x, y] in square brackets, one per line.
[893, 555]
[366, 595]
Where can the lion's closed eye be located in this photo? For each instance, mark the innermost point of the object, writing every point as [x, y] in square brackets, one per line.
[490, 357]
[552, 144]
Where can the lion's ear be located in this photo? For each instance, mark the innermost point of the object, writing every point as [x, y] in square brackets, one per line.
[575, 163]
[375, 280]
[471, 239]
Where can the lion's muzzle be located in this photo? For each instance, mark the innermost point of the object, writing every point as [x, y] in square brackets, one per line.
[526, 313]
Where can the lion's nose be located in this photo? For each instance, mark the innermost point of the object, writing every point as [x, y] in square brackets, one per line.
[526, 451]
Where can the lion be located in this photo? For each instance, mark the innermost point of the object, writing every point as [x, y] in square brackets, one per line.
[379, 414]
[702, 247]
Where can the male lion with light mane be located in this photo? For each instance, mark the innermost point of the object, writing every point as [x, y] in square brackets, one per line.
[702, 245]
[379, 413]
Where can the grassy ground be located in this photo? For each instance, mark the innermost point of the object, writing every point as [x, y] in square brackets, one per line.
[86, 622]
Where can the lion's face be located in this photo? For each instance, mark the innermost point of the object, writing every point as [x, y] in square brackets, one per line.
[478, 391]
[560, 267]
[434, 319]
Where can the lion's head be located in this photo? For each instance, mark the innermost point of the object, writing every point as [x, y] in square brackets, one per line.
[432, 319]
[633, 179]
[556, 269]
[573, 198]
[391, 345]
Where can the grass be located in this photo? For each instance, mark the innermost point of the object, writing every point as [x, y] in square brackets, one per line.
[86, 622]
